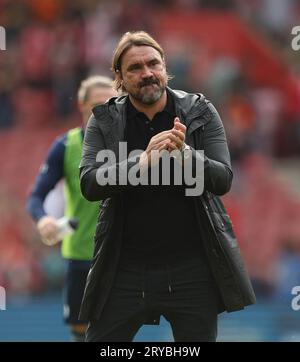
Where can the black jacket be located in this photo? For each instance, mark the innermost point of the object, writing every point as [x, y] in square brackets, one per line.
[205, 131]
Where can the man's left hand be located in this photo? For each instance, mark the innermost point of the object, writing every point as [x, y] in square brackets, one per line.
[179, 131]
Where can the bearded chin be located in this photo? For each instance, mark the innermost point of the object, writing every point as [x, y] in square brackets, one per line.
[152, 98]
[149, 98]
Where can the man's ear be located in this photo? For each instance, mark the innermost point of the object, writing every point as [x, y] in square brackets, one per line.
[119, 76]
[119, 79]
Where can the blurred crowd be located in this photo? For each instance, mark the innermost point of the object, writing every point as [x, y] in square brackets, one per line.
[53, 44]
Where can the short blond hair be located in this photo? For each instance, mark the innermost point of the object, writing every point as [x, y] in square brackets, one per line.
[92, 82]
[128, 40]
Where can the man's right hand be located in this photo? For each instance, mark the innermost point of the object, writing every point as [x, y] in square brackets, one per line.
[48, 229]
[165, 140]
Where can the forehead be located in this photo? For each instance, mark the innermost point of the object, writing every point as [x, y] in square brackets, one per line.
[140, 54]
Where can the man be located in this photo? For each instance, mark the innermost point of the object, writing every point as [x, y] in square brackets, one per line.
[158, 251]
[62, 163]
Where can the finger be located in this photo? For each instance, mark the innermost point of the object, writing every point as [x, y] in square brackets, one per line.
[172, 147]
[164, 143]
[160, 134]
[155, 142]
[154, 152]
[179, 134]
[163, 147]
[180, 127]
[176, 140]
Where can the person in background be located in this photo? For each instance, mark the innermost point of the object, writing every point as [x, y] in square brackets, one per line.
[158, 251]
[62, 162]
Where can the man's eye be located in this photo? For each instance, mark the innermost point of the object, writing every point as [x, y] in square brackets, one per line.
[133, 68]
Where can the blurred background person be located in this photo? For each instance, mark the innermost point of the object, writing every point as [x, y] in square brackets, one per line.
[62, 162]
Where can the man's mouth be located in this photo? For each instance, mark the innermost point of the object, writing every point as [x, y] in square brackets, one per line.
[149, 85]
[148, 82]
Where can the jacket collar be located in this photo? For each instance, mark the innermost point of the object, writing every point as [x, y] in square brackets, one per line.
[190, 108]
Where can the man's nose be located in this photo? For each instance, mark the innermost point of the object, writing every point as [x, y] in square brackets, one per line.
[146, 72]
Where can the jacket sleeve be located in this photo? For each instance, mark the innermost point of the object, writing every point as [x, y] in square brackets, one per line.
[49, 175]
[93, 168]
[217, 166]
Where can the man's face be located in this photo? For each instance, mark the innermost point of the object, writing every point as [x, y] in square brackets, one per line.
[143, 73]
[96, 95]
